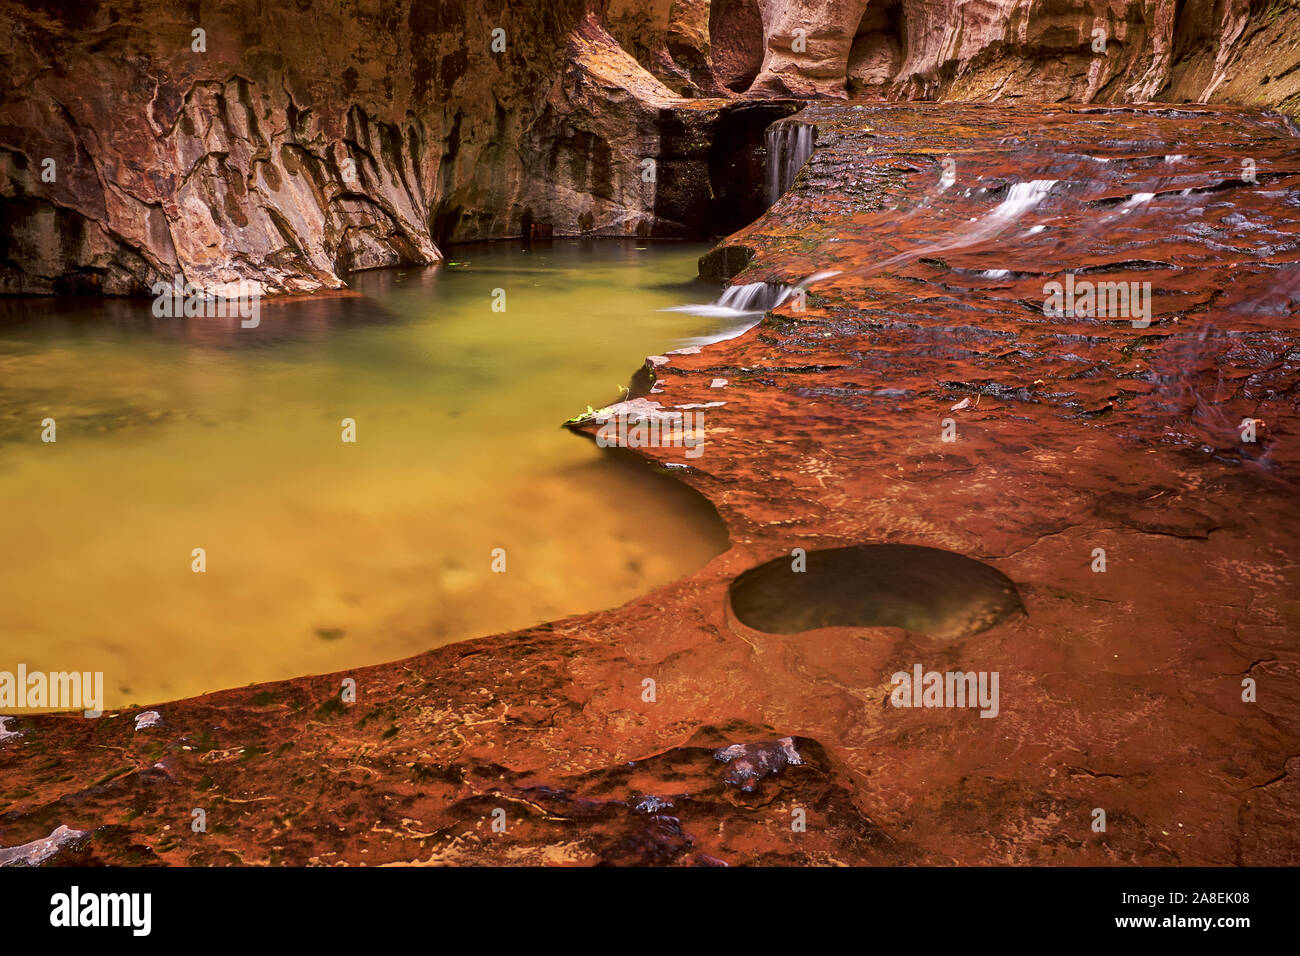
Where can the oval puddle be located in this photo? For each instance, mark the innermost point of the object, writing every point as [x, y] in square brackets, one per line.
[926, 590]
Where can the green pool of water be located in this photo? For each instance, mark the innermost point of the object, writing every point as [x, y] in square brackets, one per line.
[321, 555]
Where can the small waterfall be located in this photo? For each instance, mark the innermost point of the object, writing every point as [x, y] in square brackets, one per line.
[788, 147]
[745, 302]
[1021, 198]
[754, 297]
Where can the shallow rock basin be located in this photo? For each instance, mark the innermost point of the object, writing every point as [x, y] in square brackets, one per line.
[927, 590]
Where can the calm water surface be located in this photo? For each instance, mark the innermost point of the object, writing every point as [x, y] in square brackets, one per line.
[176, 434]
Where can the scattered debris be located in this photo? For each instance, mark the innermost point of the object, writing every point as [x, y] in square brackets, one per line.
[750, 763]
[652, 804]
[150, 718]
[38, 851]
[6, 734]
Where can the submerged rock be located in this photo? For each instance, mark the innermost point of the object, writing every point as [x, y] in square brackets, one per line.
[38, 851]
[147, 719]
[927, 590]
[750, 763]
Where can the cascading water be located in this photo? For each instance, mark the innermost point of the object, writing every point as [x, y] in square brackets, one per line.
[788, 147]
[738, 301]
[745, 302]
[1020, 199]
[754, 297]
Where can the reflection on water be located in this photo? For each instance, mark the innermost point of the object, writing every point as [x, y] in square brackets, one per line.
[176, 434]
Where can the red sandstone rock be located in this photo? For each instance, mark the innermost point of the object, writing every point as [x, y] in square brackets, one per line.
[300, 144]
[1034, 50]
[304, 142]
[1120, 690]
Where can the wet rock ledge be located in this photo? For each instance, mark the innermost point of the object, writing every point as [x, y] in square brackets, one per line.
[668, 732]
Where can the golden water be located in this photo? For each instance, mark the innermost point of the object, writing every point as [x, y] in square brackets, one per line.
[176, 434]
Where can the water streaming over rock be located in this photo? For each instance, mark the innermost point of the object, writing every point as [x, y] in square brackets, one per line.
[747, 302]
[1020, 199]
[754, 296]
[788, 147]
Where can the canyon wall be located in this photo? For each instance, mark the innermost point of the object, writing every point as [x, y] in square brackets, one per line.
[1238, 51]
[285, 144]
[1244, 52]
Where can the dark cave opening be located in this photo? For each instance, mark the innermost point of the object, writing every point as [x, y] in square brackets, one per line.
[738, 164]
[1194, 46]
